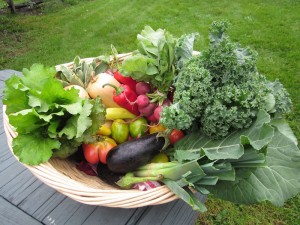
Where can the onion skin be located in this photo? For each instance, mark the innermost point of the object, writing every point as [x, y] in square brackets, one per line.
[95, 89]
[82, 92]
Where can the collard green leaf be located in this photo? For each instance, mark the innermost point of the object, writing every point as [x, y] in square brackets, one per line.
[284, 128]
[276, 182]
[184, 48]
[223, 170]
[231, 147]
[260, 133]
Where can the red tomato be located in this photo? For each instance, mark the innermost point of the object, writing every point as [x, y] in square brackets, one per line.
[175, 136]
[91, 152]
[96, 152]
[105, 147]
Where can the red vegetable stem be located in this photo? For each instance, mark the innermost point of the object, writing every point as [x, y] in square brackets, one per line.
[125, 97]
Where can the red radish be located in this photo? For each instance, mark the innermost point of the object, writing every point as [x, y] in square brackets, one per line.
[157, 112]
[152, 118]
[142, 100]
[142, 88]
[148, 110]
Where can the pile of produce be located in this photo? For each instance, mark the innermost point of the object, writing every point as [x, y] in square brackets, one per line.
[207, 121]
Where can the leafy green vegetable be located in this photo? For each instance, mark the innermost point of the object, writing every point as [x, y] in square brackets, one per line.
[221, 90]
[184, 49]
[267, 170]
[50, 121]
[186, 195]
[276, 182]
[231, 147]
[157, 56]
[34, 148]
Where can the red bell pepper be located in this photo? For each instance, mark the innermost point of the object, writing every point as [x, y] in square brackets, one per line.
[125, 97]
[125, 80]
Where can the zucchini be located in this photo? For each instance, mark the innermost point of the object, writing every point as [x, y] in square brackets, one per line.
[132, 154]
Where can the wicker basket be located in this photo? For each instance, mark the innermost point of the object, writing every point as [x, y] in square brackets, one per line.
[63, 176]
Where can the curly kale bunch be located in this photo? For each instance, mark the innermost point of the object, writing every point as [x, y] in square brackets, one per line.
[221, 89]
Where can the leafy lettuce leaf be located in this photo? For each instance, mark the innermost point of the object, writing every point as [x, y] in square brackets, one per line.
[34, 148]
[48, 118]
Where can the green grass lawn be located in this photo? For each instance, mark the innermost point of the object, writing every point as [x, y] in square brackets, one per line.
[271, 27]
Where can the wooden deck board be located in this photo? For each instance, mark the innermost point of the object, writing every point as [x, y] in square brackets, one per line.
[36, 198]
[20, 188]
[44, 210]
[81, 214]
[2, 85]
[62, 212]
[10, 172]
[26, 200]
[11, 215]
[105, 215]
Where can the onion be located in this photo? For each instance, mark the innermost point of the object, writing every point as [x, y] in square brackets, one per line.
[95, 89]
[82, 92]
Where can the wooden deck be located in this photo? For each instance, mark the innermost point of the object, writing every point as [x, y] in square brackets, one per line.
[25, 200]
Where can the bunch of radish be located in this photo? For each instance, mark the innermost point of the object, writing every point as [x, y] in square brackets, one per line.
[151, 110]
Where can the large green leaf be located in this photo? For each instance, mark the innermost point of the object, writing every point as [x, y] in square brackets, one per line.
[34, 148]
[37, 75]
[13, 95]
[276, 182]
[78, 124]
[231, 147]
[184, 48]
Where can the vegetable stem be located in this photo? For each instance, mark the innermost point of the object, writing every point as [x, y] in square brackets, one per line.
[129, 180]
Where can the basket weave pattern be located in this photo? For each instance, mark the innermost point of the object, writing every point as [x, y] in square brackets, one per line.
[63, 176]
